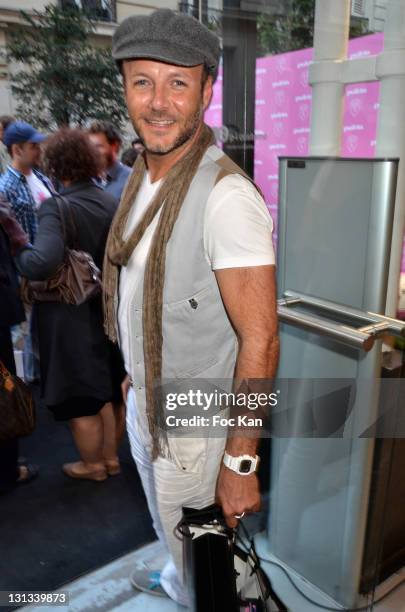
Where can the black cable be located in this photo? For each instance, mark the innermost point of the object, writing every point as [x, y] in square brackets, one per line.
[248, 550]
[318, 605]
[296, 587]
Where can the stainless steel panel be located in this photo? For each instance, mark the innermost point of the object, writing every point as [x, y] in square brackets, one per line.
[335, 228]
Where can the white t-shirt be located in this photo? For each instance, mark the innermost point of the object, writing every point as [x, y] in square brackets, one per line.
[39, 191]
[237, 233]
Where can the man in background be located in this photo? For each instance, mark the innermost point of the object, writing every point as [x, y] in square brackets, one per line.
[137, 146]
[5, 121]
[107, 140]
[22, 184]
[25, 188]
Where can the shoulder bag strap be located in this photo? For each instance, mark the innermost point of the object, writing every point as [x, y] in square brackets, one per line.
[67, 221]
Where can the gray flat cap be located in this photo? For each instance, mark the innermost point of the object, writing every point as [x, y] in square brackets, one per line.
[167, 36]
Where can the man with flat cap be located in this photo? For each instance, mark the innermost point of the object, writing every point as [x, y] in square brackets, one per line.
[189, 280]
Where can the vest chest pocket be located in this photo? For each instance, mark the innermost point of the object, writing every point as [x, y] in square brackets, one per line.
[193, 330]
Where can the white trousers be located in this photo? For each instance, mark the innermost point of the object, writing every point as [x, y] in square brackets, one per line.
[167, 489]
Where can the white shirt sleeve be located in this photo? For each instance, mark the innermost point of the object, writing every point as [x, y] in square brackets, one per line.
[237, 226]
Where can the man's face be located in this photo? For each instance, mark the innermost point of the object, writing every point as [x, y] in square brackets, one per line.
[107, 151]
[166, 103]
[27, 153]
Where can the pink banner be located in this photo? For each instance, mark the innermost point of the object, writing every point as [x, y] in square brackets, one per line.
[361, 104]
[283, 113]
[213, 115]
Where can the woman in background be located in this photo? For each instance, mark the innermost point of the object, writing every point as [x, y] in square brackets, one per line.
[79, 373]
[11, 313]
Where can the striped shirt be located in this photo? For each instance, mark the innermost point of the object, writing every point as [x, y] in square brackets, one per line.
[14, 186]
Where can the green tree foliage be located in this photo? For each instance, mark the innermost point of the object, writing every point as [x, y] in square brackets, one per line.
[61, 79]
[295, 30]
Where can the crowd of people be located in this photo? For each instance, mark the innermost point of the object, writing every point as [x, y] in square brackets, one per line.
[82, 166]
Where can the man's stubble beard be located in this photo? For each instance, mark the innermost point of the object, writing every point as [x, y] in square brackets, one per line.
[191, 126]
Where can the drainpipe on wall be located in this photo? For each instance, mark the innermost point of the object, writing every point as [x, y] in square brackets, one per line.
[332, 21]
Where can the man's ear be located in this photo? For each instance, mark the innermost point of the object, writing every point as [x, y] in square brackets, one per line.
[16, 149]
[208, 91]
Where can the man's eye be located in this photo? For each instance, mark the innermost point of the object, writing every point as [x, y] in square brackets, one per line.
[178, 83]
[141, 82]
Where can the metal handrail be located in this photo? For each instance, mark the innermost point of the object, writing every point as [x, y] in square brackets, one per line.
[375, 325]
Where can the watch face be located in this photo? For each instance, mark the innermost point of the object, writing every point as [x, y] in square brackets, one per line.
[245, 465]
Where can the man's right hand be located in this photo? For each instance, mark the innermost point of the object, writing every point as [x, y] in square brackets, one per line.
[125, 385]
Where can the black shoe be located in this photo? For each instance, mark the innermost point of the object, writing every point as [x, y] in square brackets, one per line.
[31, 474]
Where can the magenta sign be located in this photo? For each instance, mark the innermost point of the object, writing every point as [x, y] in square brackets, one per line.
[283, 113]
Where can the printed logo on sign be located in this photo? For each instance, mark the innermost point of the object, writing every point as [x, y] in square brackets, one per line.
[352, 143]
[355, 106]
[302, 142]
[276, 150]
[303, 78]
[303, 112]
[274, 191]
[274, 159]
[281, 65]
[279, 98]
[278, 129]
[359, 54]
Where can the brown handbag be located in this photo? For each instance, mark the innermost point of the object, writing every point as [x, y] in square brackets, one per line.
[17, 409]
[77, 280]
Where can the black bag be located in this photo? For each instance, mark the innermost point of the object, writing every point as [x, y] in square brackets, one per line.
[219, 575]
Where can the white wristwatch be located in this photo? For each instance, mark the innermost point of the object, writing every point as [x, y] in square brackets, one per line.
[243, 465]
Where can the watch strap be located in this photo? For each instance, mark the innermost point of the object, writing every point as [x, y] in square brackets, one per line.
[243, 464]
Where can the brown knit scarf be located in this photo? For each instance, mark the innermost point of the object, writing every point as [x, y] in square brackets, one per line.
[118, 252]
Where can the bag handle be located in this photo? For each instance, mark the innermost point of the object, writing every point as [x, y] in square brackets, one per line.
[65, 210]
[4, 371]
[7, 378]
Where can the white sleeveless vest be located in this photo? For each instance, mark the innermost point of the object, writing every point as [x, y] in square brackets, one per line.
[198, 338]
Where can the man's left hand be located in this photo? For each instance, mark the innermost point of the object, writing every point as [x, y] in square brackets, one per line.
[237, 494]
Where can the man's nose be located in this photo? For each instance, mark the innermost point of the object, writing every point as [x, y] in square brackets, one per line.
[159, 101]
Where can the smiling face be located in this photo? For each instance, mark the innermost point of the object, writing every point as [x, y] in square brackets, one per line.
[166, 103]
